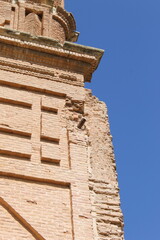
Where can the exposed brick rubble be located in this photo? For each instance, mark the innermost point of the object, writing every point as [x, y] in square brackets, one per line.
[104, 192]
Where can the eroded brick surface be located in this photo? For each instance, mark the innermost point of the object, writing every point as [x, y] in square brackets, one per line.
[104, 192]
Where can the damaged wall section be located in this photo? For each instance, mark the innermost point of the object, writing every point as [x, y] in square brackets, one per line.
[103, 184]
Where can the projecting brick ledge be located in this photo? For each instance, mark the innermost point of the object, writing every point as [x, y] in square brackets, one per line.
[86, 59]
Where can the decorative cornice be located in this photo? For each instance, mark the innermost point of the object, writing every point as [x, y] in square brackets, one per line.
[37, 71]
[51, 53]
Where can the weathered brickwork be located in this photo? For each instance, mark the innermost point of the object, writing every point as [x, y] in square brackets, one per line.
[41, 18]
[104, 192]
[57, 169]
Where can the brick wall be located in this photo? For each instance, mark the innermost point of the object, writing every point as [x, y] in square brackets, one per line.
[46, 162]
[42, 18]
[57, 170]
[103, 183]
[43, 168]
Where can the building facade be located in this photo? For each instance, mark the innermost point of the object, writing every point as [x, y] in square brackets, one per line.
[58, 177]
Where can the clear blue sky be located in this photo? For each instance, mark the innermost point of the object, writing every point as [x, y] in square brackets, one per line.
[128, 80]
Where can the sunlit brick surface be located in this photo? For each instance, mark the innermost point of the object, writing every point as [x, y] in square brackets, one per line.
[57, 170]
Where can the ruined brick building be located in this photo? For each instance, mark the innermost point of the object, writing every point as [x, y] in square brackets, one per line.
[58, 176]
